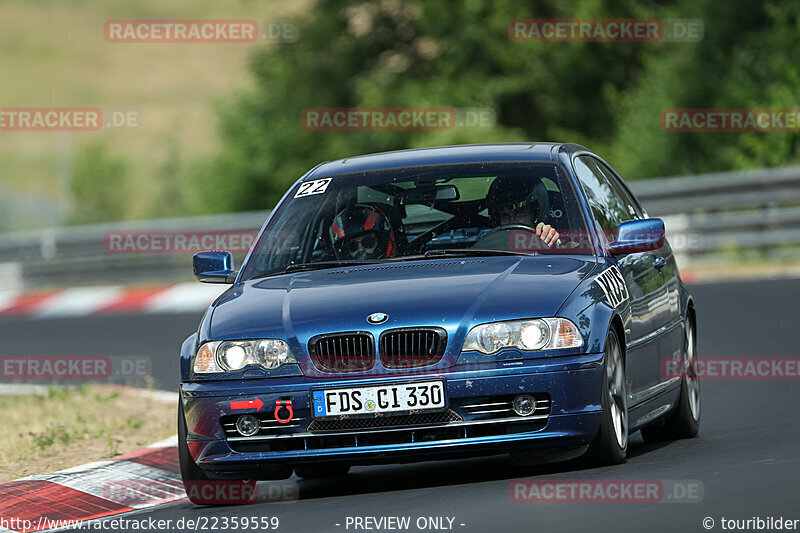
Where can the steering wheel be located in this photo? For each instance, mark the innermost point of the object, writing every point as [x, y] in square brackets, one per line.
[498, 238]
[509, 227]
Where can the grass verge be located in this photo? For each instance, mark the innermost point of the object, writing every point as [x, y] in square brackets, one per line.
[72, 426]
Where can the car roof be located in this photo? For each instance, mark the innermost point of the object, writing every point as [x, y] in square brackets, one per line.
[465, 153]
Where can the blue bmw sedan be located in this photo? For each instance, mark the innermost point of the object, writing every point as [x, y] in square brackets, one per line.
[438, 303]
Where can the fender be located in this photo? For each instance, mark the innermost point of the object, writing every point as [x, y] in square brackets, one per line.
[589, 309]
[188, 349]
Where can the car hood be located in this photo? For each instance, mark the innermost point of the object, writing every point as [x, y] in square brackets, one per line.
[450, 293]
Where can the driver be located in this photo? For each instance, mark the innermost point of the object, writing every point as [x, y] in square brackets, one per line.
[522, 202]
[363, 231]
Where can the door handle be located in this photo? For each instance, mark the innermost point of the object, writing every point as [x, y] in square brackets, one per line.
[658, 263]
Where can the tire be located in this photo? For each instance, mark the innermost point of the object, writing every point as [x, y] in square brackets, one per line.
[321, 471]
[610, 445]
[684, 421]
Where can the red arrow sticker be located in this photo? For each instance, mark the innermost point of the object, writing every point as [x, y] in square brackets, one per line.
[248, 404]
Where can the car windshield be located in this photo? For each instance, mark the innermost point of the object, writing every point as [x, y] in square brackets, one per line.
[421, 212]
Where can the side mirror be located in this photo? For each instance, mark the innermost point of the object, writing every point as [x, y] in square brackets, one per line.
[214, 267]
[644, 235]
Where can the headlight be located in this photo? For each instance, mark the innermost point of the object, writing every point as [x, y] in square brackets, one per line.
[528, 335]
[233, 355]
[228, 356]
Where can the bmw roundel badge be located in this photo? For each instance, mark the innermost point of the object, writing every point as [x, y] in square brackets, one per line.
[377, 318]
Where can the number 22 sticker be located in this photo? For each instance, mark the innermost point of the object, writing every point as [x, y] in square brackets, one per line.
[308, 188]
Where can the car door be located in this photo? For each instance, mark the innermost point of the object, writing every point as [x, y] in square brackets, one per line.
[649, 297]
[670, 338]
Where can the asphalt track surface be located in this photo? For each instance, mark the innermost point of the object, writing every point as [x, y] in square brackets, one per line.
[746, 458]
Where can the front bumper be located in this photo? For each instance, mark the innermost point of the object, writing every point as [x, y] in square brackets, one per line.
[568, 388]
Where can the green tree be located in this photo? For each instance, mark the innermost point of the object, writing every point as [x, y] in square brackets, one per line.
[607, 96]
[395, 53]
[747, 59]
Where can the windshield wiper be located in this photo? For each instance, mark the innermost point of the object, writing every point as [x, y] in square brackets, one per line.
[430, 254]
[470, 252]
[300, 267]
[303, 267]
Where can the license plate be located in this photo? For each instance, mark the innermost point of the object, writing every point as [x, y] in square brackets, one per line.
[395, 397]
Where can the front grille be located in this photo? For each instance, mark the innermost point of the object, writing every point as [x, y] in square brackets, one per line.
[343, 352]
[402, 421]
[412, 347]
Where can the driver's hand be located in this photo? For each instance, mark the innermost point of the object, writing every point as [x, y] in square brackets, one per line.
[547, 233]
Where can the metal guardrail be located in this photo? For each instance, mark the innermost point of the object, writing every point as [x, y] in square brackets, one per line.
[73, 256]
[713, 218]
[709, 218]
[718, 191]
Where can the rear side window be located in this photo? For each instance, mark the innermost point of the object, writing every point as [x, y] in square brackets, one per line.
[634, 209]
[608, 208]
